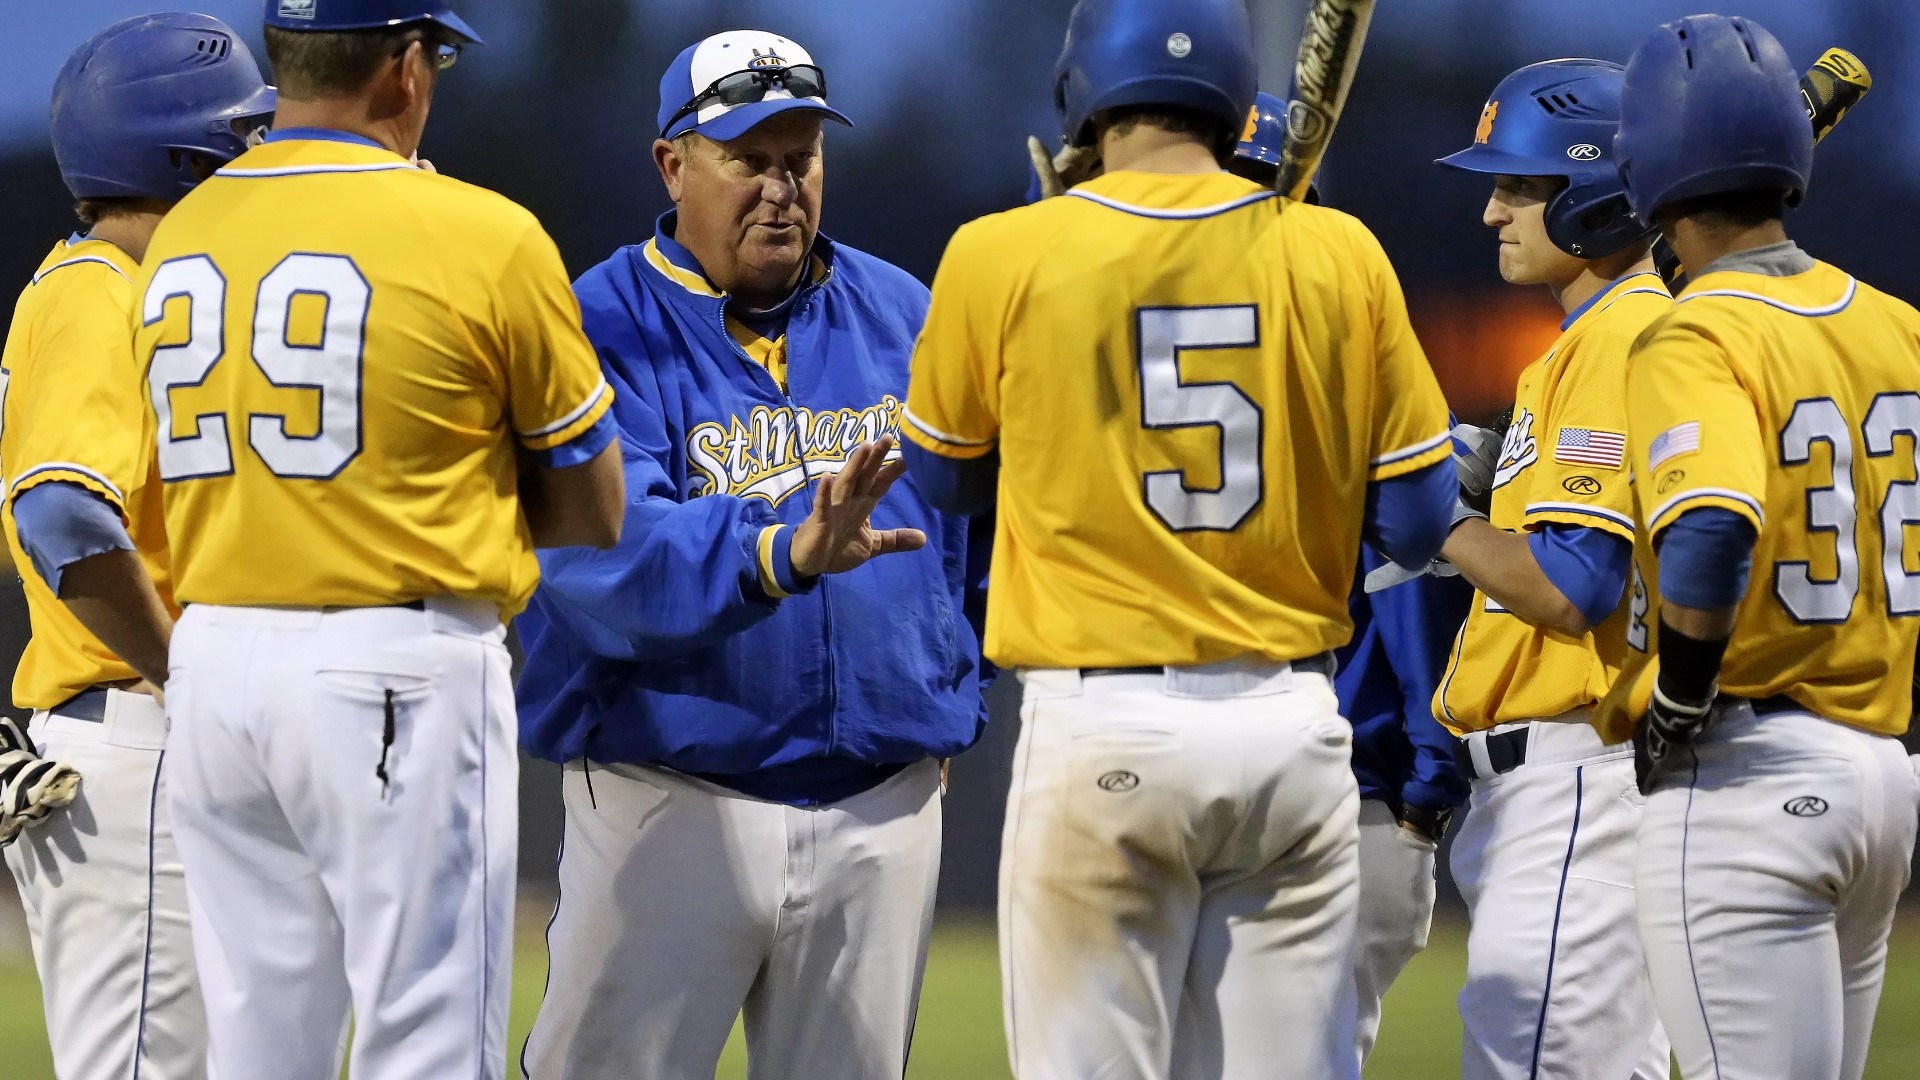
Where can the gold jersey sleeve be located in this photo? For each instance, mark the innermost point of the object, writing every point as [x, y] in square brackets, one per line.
[1190, 383]
[72, 411]
[350, 361]
[1563, 462]
[1795, 404]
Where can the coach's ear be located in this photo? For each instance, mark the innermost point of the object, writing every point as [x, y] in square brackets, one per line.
[668, 158]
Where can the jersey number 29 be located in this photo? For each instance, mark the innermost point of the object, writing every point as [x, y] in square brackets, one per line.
[1168, 402]
[331, 366]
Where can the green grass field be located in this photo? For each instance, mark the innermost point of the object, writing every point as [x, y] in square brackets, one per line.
[958, 1037]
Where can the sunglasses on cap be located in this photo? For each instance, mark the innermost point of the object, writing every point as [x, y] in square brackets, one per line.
[753, 84]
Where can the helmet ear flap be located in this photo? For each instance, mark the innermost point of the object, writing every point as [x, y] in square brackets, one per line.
[1592, 224]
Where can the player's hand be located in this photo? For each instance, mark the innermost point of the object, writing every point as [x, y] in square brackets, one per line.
[1477, 464]
[1058, 172]
[31, 787]
[147, 687]
[1662, 732]
[838, 535]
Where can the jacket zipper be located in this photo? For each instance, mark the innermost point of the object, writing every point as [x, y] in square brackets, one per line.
[826, 597]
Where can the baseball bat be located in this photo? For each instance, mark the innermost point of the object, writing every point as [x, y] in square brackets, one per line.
[1322, 74]
[1835, 83]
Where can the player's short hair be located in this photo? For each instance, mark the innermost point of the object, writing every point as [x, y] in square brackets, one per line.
[310, 64]
[1740, 208]
[91, 211]
[1223, 138]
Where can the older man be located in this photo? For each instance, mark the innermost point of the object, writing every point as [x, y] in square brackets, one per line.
[752, 785]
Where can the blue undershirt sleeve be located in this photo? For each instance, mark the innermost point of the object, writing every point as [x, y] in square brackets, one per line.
[1588, 566]
[1706, 556]
[61, 523]
[1408, 517]
[1417, 621]
[967, 487]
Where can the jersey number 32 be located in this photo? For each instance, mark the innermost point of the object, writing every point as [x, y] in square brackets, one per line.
[331, 366]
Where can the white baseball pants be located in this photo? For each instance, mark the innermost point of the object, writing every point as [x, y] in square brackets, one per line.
[1178, 879]
[1771, 860]
[344, 787]
[1396, 912]
[1556, 985]
[684, 905]
[106, 904]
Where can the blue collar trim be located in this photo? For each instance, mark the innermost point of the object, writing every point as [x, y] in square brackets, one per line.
[320, 135]
[1574, 315]
[678, 255]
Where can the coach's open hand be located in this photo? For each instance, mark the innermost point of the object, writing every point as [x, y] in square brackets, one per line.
[837, 536]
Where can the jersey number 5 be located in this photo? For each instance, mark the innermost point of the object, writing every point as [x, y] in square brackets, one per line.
[1832, 508]
[1166, 402]
[331, 366]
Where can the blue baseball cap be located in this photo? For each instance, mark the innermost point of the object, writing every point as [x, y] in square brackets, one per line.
[700, 66]
[333, 15]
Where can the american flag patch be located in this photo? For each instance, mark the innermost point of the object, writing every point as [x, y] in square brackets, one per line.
[1671, 443]
[1590, 446]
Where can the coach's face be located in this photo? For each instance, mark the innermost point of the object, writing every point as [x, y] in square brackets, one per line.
[749, 208]
[1518, 211]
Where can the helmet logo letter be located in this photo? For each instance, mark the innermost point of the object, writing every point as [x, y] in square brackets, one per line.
[1584, 152]
[1485, 130]
[1253, 124]
[1179, 45]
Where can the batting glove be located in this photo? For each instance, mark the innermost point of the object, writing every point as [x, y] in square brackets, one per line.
[1476, 456]
[1386, 577]
[1667, 726]
[31, 787]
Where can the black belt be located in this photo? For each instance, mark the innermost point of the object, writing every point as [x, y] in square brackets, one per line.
[1322, 663]
[1506, 751]
[410, 605]
[85, 705]
[1777, 704]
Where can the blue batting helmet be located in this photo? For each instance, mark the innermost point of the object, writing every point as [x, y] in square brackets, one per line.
[137, 98]
[1711, 105]
[333, 15]
[1195, 54]
[1266, 129]
[1558, 118]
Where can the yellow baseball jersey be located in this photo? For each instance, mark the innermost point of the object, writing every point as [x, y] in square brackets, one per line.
[348, 358]
[1563, 462]
[1190, 383]
[72, 411]
[1793, 402]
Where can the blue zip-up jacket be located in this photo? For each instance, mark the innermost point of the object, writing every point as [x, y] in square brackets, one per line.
[666, 650]
[1401, 639]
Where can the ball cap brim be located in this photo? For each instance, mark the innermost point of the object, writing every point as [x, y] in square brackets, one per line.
[699, 65]
[458, 25]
